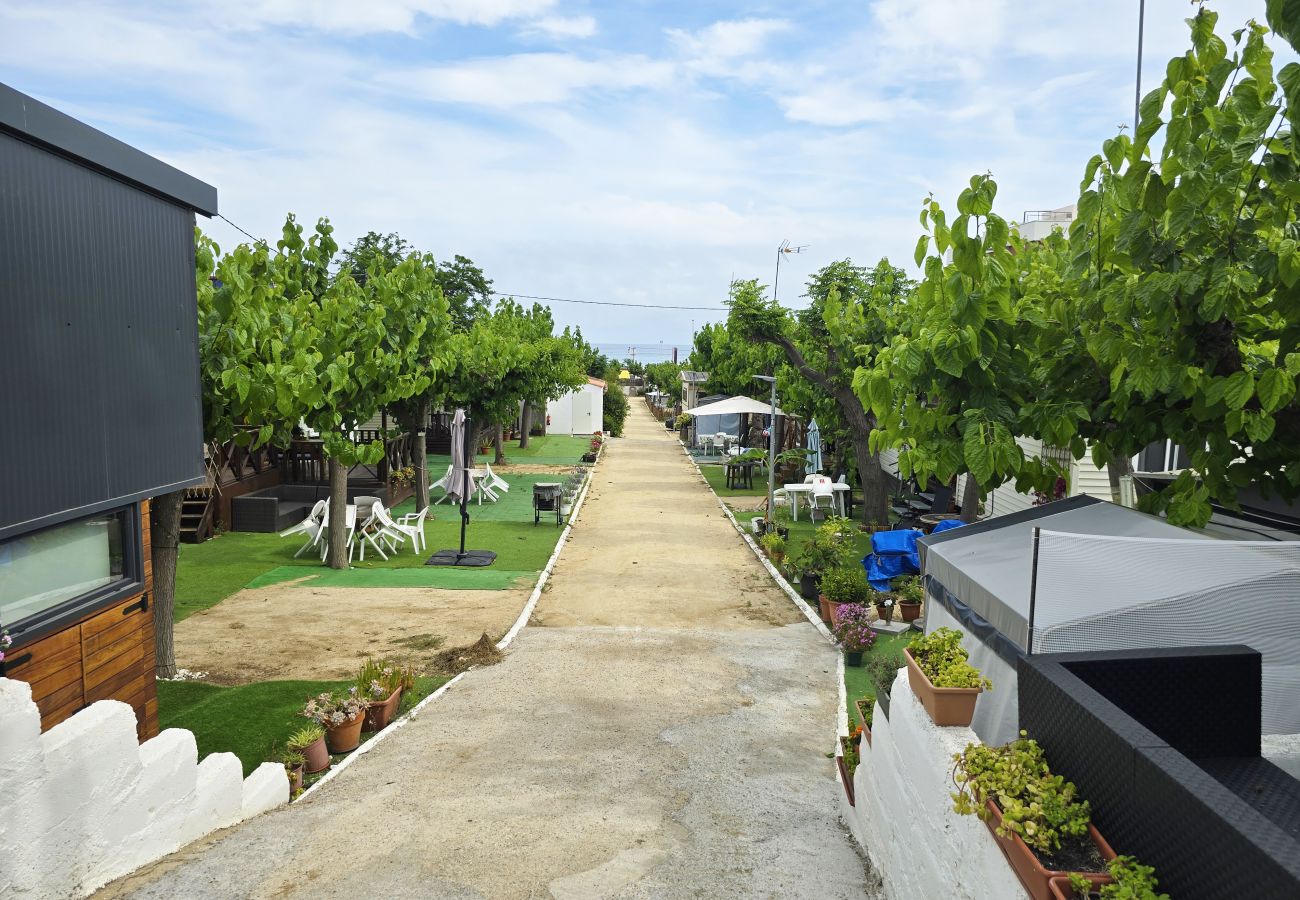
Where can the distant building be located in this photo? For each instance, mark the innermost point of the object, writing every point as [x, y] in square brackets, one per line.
[581, 411]
[1037, 224]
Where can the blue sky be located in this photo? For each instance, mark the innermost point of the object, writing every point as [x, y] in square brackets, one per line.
[641, 152]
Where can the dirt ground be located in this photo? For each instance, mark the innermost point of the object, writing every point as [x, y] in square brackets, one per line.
[643, 557]
[287, 632]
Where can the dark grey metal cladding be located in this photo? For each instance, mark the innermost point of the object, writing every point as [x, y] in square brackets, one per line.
[99, 381]
[34, 121]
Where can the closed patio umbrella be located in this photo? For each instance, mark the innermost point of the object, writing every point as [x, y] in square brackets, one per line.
[814, 448]
[462, 485]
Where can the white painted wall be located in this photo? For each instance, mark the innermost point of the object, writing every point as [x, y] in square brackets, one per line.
[85, 802]
[1085, 478]
[580, 411]
[904, 817]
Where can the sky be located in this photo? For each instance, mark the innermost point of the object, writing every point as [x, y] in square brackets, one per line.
[636, 152]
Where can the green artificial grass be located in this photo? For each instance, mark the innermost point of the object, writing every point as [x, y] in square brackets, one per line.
[717, 479]
[858, 683]
[252, 721]
[490, 578]
[548, 450]
[207, 573]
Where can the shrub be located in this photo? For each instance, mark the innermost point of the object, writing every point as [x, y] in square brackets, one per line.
[942, 658]
[772, 543]
[847, 584]
[378, 678]
[1037, 805]
[615, 411]
[683, 420]
[1133, 881]
[909, 588]
[830, 546]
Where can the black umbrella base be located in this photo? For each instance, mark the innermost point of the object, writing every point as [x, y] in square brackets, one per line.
[475, 558]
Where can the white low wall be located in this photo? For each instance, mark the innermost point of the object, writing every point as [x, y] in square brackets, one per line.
[904, 817]
[85, 802]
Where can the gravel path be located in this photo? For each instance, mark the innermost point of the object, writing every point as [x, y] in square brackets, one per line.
[661, 734]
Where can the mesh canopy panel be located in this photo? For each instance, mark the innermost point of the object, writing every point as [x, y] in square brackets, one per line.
[1111, 593]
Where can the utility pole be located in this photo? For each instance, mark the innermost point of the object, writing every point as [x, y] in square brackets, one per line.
[1137, 90]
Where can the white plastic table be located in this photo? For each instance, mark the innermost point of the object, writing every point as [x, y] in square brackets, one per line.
[795, 491]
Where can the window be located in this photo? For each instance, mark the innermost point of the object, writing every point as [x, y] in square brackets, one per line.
[67, 568]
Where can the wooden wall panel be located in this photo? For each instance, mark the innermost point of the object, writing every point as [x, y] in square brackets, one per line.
[108, 655]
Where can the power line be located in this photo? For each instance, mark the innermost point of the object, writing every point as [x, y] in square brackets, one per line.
[606, 302]
[528, 296]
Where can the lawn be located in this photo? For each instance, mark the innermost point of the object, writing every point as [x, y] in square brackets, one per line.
[254, 720]
[717, 479]
[207, 573]
[858, 681]
[547, 450]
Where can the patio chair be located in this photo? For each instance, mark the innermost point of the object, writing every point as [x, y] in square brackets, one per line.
[364, 504]
[823, 495]
[310, 526]
[371, 532]
[444, 484]
[491, 482]
[394, 532]
[415, 522]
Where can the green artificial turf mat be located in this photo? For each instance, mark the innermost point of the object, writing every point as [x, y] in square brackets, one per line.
[251, 721]
[490, 578]
[550, 450]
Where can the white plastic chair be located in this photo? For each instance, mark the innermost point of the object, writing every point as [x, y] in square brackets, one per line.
[310, 526]
[822, 491]
[390, 531]
[415, 522]
[490, 483]
[443, 483]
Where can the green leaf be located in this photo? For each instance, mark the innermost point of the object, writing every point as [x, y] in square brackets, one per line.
[1238, 389]
[1275, 390]
[1284, 18]
[921, 246]
[978, 456]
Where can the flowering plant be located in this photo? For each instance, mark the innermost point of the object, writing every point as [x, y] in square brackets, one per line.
[853, 627]
[883, 599]
[331, 710]
[5, 642]
[378, 679]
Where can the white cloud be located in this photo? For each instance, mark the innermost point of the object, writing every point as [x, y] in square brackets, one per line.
[371, 16]
[504, 82]
[562, 27]
[729, 39]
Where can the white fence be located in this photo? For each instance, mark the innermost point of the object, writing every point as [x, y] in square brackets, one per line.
[85, 802]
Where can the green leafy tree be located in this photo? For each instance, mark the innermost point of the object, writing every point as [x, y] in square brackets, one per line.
[467, 290]
[371, 249]
[667, 377]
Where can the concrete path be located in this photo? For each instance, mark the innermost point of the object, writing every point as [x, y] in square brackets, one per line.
[660, 731]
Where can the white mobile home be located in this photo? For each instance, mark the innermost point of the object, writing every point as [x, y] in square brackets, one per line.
[581, 411]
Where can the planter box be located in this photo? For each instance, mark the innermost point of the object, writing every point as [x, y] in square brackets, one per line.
[864, 709]
[946, 706]
[845, 778]
[1029, 870]
[378, 715]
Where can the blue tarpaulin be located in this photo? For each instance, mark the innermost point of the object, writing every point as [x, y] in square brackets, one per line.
[893, 553]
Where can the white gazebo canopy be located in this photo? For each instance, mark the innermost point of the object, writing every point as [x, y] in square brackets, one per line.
[735, 406]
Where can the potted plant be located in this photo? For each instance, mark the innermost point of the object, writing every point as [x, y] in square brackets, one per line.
[866, 711]
[842, 585]
[827, 549]
[1043, 828]
[294, 761]
[1130, 880]
[884, 603]
[942, 677]
[774, 546]
[310, 742]
[854, 632]
[382, 683]
[848, 763]
[341, 714]
[910, 591]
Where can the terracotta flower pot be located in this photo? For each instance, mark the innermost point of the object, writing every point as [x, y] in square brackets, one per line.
[318, 758]
[295, 779]
[886, 613]
[909, 611]
[946, 706]
[864, 708]
[824, 607]
[1032, 874]
[380, 713]
[345, 738]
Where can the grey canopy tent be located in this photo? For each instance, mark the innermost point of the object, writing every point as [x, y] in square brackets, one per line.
[1084, 574]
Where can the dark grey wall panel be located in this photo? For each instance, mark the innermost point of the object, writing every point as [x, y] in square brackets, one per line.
[99, 384]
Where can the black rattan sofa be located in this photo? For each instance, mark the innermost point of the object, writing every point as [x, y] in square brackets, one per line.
[285, 505]
[1165, 743]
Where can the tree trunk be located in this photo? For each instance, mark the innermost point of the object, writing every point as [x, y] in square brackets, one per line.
[525, 420]
[338, 550]
[421, 456]
[164, 537]
[498, 443]
[970, 500]
[1115, 469]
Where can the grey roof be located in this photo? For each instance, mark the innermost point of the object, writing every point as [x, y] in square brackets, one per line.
[988, 565]
[37, 123]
